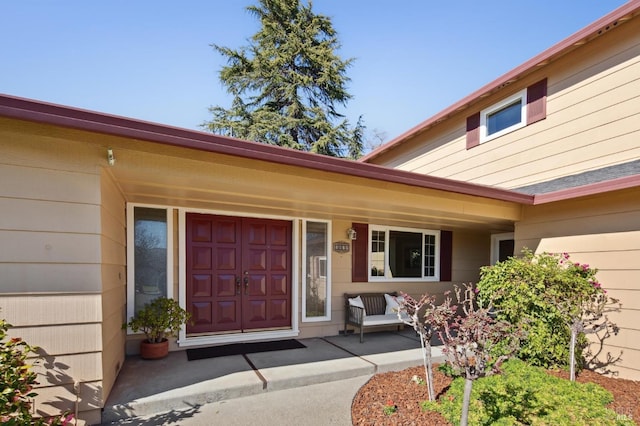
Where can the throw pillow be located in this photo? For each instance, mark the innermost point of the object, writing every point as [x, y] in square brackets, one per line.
[357, 301]
[393, 303]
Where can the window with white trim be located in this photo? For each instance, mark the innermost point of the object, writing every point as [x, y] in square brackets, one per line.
[504, 117]
[316, 267]
[403, 254]
[149, 230]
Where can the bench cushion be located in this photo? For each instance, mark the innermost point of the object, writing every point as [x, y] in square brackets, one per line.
[381, 320]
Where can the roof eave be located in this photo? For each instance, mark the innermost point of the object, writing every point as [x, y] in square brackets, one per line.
[79, 119]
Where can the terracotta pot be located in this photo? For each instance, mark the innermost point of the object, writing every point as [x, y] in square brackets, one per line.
[154, 350]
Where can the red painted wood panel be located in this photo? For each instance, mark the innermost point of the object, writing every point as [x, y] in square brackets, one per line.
[360, 253]
[446, 254]
[213, 264]
[473, 130]
[238, 273]
[267, 301]
[537, 101]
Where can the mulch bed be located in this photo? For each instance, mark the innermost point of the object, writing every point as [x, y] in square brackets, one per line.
[367, 406]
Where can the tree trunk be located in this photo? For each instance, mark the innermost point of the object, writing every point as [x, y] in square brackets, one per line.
[428, 368]
[572, 353]
[432, 394]
[466, 401]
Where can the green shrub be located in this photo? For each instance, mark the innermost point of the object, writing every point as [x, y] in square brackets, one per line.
[524, 394]
[17, 381]
[544, 293]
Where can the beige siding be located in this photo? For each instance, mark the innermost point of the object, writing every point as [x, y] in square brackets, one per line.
[66, 369]
[50, 263]
[113, 245]
[51, 400]
[593, 120]
[67, 330]
[64, 339]
[47, 184]
[47, 215]
[607, 237]
[41, 309]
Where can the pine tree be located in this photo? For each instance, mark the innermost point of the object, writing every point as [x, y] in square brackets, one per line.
[287, 84]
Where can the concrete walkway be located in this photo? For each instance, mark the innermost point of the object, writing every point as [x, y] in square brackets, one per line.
[312, 385]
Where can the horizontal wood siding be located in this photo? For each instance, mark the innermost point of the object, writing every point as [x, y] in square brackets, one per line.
[113, 244]
[51, 252]
[604, 232]
[593, 121]
[52, 400]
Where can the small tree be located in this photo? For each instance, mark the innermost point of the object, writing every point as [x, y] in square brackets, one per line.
[470, 341]
[422, 315]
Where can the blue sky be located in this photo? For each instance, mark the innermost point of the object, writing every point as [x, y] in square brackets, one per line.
[152, 60]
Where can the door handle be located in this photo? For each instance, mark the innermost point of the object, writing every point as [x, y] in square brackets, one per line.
[238, 286]
[246, 282]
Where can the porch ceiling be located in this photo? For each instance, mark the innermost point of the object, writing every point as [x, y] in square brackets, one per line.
[166, 175]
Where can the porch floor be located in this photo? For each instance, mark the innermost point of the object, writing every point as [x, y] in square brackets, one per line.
[174, 384]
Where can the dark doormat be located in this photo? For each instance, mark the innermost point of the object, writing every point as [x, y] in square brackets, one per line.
[242, 348]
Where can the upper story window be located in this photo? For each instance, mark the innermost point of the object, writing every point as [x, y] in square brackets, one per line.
[403, 254]
[503, 117]
[518, 110]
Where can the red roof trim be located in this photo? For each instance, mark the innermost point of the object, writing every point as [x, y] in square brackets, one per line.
[591, 189]
[58, 115]
[559, 49]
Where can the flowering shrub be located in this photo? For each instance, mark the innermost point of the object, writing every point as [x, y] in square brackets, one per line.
[547, 294]
[17, 381]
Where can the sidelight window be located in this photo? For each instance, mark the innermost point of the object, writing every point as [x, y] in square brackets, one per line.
[316, 271]
[148, 255]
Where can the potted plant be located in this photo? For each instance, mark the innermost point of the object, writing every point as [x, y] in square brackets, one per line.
[158, 320]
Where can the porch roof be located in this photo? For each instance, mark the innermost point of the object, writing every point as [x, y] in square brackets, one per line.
[157, 164]
[75, 118]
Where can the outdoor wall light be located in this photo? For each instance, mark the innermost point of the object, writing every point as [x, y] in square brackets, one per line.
[110, 158]
[352, 234]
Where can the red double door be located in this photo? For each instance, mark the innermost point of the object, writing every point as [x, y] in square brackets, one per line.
[238, 273]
